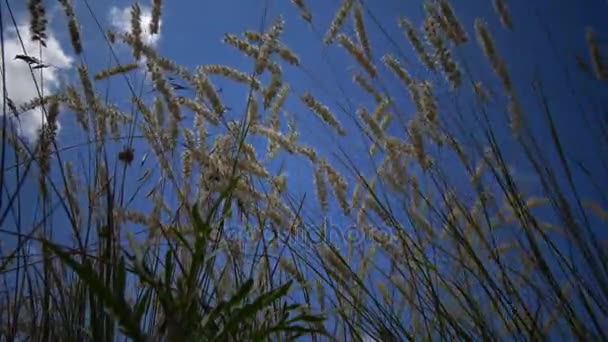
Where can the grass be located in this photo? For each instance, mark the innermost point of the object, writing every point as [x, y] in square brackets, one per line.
[428, 232]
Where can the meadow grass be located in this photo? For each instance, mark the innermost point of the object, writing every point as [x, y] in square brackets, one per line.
[427, 232]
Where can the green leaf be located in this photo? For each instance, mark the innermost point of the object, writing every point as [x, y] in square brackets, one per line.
[116, 305]
[168, 268]
[250, 310]
[140, 306]
[121, 277]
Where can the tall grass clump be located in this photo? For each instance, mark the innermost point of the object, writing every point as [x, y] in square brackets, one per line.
[433, 189]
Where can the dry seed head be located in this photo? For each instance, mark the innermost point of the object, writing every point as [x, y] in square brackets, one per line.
[597, 209]
[119, 69]
[320, 186]
[373, 125]
[364, 83]
[428, 103]
[535, 201]
[274, 137]
[253, 113]
[486, 42]
[187, 163]
[279, 183]
[503, 12]
[320, 289]
[244, 46]
[277, 104]
[413, 37]
[323, 112]
[480, 91]
[358, 54]
[68, 9]
[338, 21]
[232, 73]
[304, 11]
[156, 12]
[271, 91]
[338, 184]
[418, 142]
[360, 30]
[74, 102]
[517, 115]
[331, 257]
[291, 269]
[38, 21]
[206, 89]
[136, 30]
[87, 86]
[455, 30]
[199, 108]
[268, 44]
[599, 65]
[399, 71]
[287, 55]
[253, 36]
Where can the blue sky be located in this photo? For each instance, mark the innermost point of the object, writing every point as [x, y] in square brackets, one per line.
[191, 34]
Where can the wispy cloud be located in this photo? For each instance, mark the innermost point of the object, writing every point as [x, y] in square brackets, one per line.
[21, 86]
[121, 20]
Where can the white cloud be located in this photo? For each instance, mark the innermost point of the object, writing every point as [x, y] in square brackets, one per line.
[21, 87]
[121, 20]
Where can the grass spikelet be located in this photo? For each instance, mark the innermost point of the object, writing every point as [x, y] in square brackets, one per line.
[156, 12]
[68, 9]
[74, 102]
[413, 37]
[390, 61]
[163, 87]
[486, 42]
[418, 142]
[503, 13]
[338, 21]
[516, 115]
[87, 85]
[481, 92]
[442, 54]
[253, 112]
[232, 73]
[335, 261]
[287, 55]
[136, 30]
[536, 201]
[253, 36]
[119, 69]
[320, 289]
[338, 184]
[323, 112]
[304, 11]
[206, 89]
[368, 87]
[373, 125]
[428, 103]
[197, 107]
[597, 209]
[38, 21]
[244, 46]
[358, 54]
[277, 104]
[320, 186]
[360, 30]
[455, 30]
[599, 66]
[268, 44]
[291, 269]
[271, 91]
